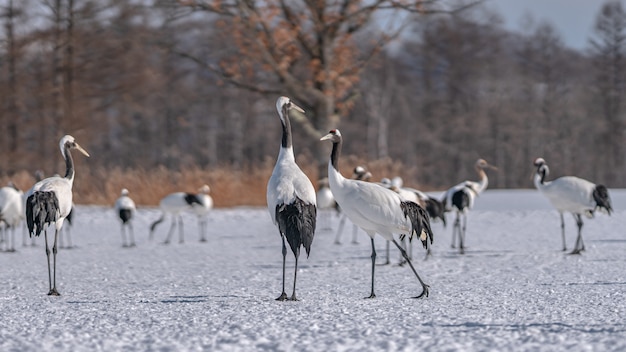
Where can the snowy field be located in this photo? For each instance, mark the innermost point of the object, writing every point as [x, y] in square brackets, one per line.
[513, 289]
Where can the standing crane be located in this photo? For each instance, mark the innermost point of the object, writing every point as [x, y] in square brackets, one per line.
[377, 209]
[11, 213]
[573, 195]
[125, 209]
[50, 201]
[291, 197]
[461, 197]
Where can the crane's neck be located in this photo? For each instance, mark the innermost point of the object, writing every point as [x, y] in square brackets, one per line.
[69, 164]
[483, 180]
[287, 139]
[334, 176]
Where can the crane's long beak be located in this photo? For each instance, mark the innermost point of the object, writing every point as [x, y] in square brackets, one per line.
[294, 106]
[80, 149]
[328, 136]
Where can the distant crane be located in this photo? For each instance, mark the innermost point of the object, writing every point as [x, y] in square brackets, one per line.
[461, 197]
[174, 204]
[50, 201]
[573, 195]
[125, 209]
[377, 209]
[11, 213]
[291, 197]
[202, 209]
[325, 202]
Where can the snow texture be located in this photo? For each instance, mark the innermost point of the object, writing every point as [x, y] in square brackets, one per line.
[512, 290]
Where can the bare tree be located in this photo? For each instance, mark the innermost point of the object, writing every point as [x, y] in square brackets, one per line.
[609, 50]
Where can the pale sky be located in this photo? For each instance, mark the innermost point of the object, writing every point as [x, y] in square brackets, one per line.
[574, 19]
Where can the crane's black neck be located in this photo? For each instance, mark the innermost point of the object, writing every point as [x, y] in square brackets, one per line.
[334, 155]
[69, 162]
[286, 140]
[542, 173]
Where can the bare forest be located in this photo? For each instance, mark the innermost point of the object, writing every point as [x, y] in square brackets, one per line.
[169, 95]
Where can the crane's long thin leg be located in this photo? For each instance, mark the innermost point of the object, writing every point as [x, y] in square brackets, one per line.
[54, 291]
[283, 296]
[12, 238]
[171, 231]
[373, 295]
[132, 235]
[455, 228]
[295, 274]
[203, 226]
[69, 237]
[45, 236]
[579, 239]
[355, 232]
[123, 237]
[563, 231]
[462, 235]
[424, 286]
[340, 229]
[181, 234]
[401, 262]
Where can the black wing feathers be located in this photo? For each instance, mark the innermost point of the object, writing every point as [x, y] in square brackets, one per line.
[296, 221]
[419, 221]
[42, 209]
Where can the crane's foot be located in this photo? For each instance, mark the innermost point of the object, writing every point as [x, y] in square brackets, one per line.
[282, 297]
[132, 245]
[293, 298]
[371, 296]
[54, 292]
[166, 242]
[424, 292]
[355, 242]
[125, 245]
[575, 251]
[203, 240]
[337, 242]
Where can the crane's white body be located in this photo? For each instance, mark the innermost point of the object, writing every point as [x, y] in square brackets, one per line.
[125, 202]
[11, 213]
[325, 199]
[62, 188]
[569, 194]
[287, 183]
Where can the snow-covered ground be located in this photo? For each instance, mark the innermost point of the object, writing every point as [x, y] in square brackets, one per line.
[513, 289]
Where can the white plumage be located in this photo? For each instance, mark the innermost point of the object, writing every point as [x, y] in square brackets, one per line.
[202, 210]
[573, 195]
[125, 209]
[460, 198]
[291, 199]
[376, 209]
[11, 213]
[359, 173]
[50, 201]
[174, 204]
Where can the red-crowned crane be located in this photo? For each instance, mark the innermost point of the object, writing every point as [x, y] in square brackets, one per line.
[573, 195]
[291, 197]
[49, 201]
[125, 209]
[203, 209]
[11, 213]
[376, 209]
[174, 204]
[359, 173]
[460, 198]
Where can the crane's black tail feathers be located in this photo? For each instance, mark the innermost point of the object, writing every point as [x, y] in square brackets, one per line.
[460, 199]
[601, 196]
[436, 209]
[296, 221]
[420, 222]
[42, 209]
[154, 224]
[125, 215]
[192, 199]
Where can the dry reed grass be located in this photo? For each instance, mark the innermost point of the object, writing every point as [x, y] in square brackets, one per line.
[229, 187]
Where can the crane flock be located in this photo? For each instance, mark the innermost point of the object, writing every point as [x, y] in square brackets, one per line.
[387, 208]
